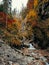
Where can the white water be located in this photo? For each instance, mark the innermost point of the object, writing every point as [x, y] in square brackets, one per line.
[31, 47]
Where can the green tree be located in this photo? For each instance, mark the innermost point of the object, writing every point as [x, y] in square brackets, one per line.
[1, 7]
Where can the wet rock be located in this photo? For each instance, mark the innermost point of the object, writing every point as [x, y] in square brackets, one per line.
[9, 63]
[42, 63]
[25, 51]
[10, 56]
[2, 61]
[15, 63]
[37, 62]
[1, 42]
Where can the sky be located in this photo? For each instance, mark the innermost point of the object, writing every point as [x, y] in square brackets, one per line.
[0, 0]
[18, 4]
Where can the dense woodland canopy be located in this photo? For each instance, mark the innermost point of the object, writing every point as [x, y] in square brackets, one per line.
[34, 25]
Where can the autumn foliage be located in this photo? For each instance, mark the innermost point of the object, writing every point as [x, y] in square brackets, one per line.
[29, 25]
[32, 4]
[4, 16]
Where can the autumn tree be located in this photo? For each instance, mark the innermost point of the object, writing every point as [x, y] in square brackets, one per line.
[36, 17]
[24, 12]
[43, 9]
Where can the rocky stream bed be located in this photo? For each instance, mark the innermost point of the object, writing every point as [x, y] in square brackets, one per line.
[25, 56]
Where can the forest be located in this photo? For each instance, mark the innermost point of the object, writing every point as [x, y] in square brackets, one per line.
[30, 27]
